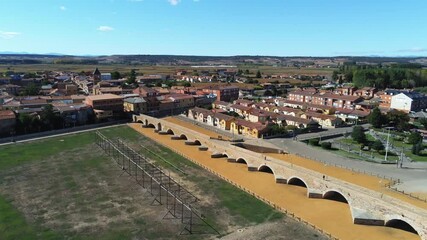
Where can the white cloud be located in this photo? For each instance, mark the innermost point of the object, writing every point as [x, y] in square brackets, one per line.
[9, 35]
[63, 8]
[174, 2]
[105, 28]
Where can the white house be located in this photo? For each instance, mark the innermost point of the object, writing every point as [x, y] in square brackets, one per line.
[408, 101]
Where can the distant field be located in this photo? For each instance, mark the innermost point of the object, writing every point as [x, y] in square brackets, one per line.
[66, 188]
[124, 68]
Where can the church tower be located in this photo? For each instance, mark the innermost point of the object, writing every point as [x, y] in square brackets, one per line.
[96, 76]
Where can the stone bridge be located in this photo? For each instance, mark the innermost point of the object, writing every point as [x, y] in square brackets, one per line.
[367, 206]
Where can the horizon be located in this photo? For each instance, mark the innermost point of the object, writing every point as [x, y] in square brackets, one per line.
[305, 28]
[184, 55]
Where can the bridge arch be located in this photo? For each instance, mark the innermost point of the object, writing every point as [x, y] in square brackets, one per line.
[159, 126]
[170, 131]
[183, 137]
[297, 181]
[139, 121]
[241, 160]
[400, 222]
[150, 125]
[197, 143]
[146, 122]
[335, 195]
[265, 168]
[135, 118]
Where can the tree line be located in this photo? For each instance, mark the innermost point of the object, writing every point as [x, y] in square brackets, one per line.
[379, 76]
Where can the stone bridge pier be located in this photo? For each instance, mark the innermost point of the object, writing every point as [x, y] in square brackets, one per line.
[367, 206]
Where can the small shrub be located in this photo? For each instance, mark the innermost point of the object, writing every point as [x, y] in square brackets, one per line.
[326, 145]
[378, 145]
[417, 148]
[398, 138]
[314, 142]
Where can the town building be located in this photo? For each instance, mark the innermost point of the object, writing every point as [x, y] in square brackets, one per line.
[7, 122]
[352, 116]
[135, 105]
[325, 99]
[223, 93]
[247, 128]
[96, 76]
[409, 101]
[106, 105]
[328, 121]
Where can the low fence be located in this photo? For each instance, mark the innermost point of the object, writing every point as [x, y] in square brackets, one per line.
[177, 200]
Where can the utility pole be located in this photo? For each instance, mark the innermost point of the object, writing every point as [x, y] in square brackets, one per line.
[386, 146]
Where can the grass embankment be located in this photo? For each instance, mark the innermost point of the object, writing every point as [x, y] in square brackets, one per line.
[354, 146]
[65, 187]
[407, 149]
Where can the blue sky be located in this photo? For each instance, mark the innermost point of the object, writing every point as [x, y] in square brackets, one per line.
[215, 27]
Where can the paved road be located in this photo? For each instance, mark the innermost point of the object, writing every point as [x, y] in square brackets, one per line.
[61, 134]
[329, 132]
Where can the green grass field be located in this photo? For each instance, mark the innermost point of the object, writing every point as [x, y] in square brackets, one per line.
[65, 187]
[356, 147]
[407, 149]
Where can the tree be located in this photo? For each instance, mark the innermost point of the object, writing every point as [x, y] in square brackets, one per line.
[358, 134]
[116, 75]
[187, 84]
[258, 74]
[24, 122]
[378, 145]
[423, 122]
[334, 75]
[132, 77]
[414, 138]
[50, 118]
[31, 90]
[398, 119]
[277, 130]
[376, 118]
[291, 128]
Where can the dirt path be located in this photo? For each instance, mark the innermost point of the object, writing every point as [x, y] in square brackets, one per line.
[331, 216]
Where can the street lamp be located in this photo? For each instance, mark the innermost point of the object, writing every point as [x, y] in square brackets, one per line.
[386, 147]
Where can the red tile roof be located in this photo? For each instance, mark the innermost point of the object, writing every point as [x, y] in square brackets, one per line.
[7, 114]
[260, 127]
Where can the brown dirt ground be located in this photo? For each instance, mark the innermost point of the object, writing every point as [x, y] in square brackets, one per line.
[331, 216]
